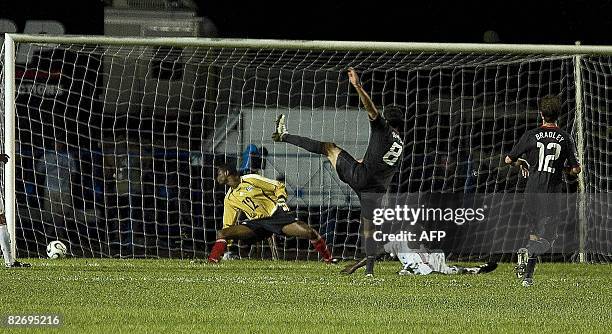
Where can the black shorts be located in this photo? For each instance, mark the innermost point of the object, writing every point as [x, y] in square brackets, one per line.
[355, 174]
[541, 211]
[265, 227]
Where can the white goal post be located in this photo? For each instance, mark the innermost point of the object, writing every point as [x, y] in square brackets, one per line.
[449, 91]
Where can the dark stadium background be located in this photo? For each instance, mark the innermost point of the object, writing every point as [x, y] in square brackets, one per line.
[558, 22]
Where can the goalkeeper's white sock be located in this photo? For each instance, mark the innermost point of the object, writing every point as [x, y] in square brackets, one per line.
[5, 244]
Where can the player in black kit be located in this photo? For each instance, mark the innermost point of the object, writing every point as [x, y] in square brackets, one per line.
[371, 175]
[543, 154]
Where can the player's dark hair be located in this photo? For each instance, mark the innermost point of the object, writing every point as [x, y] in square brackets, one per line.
[231, 170]
[550, 107]
[394, 116]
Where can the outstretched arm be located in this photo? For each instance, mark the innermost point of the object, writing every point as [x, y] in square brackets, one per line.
[363, 96]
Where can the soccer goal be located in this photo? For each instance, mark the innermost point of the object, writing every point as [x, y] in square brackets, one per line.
[114, 141]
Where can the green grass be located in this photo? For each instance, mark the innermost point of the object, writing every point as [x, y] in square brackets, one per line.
[173, 296]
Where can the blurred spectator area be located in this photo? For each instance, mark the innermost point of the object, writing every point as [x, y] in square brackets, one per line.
[156, 18]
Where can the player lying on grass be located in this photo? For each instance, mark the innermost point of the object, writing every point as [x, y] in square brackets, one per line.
[5, 243]
[422, 262]
[371, 175]
[548, 152]
[263, 201]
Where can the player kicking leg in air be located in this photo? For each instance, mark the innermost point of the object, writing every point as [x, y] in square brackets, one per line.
[5, 243]
[423, 262]
[548, 152]
[373, 174]
[262, 200]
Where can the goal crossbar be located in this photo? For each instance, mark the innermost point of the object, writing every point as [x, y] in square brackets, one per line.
[319, 45]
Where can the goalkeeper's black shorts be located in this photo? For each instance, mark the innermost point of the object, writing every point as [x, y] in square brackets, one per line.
[265, 227]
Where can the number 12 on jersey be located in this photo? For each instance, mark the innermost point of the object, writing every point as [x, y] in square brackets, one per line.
[545, 160]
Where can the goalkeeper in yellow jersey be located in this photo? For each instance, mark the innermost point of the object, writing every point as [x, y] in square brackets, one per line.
[263, 201]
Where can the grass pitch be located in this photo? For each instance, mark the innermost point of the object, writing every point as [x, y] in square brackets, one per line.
[241, 296]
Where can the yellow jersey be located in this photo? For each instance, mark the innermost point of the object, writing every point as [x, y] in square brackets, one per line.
[256, 196]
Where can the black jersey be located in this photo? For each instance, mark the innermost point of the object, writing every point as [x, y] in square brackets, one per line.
[382, 157]
[547, 150]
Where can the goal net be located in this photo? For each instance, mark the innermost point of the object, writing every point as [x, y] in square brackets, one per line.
[117, 140]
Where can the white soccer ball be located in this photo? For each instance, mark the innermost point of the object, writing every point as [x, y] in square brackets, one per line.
[56, 249]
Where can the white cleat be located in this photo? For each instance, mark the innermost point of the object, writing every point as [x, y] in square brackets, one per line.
[280, 129]
[229, 256]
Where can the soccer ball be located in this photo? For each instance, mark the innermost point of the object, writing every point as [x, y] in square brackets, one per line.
[56, 249]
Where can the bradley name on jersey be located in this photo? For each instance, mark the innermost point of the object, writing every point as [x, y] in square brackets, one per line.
[549, 134]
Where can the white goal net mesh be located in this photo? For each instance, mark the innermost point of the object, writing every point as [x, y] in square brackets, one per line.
[117, 145]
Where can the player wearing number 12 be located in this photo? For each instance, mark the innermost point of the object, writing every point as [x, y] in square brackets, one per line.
[373, 174]
[547, 152]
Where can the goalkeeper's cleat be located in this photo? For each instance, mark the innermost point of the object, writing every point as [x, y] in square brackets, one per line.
[368, 275]
[228, 256]
[331, 261]
[18, 264]
[280, 129]
[351, 268]
[522, 256]
[527, 282]
[486, 268]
